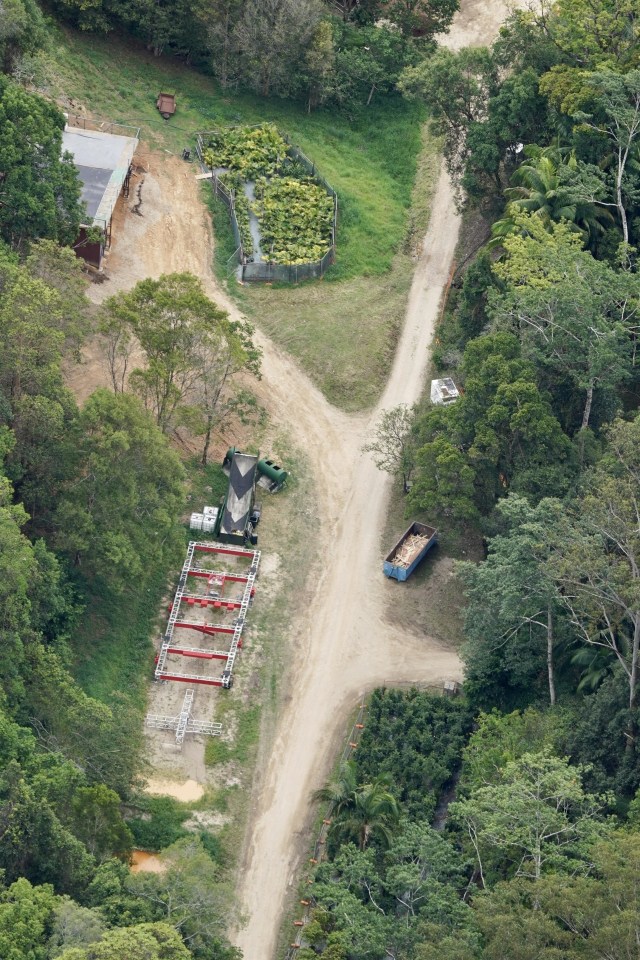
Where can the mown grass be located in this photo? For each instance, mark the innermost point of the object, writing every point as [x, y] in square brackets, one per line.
[342, 329]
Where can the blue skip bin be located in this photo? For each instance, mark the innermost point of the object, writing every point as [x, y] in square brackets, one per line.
[411, 548]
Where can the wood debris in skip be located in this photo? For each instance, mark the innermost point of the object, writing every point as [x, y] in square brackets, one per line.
[409, 550]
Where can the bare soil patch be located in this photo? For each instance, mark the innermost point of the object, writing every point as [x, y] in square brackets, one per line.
[143, 862]
[186, 792]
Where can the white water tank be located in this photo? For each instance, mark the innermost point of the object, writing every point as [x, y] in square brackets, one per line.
[196, 521]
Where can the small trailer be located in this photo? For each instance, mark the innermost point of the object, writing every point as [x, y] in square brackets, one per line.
[166, 104]
[409, 551]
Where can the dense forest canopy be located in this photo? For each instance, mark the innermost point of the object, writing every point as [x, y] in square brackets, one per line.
[538, 855]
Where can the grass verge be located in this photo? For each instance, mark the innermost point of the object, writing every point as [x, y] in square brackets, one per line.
[249, 711]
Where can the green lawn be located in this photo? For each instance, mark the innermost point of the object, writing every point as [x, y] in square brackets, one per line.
[342, 329]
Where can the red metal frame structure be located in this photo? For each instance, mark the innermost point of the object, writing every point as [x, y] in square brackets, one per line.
[215, 603]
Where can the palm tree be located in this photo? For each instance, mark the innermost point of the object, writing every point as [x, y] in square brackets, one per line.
[547, 186]
[362, 813]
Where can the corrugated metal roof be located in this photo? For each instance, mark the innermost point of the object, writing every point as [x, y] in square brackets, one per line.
[102, 160]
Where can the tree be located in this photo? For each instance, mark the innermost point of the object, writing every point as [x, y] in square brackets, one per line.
[22, 32]
[420, 863]
[424, 18]
[368, 60]
[73, 926]
[60, 269]
[538, 817]
[456, 89]
[547, 185]
[117, 514]
[97, 821]
[596, 557]
[191, 348]
[274, 36]
[445, 481]
[591, 34]
[500, 738]
[513, 601]
[220, 20]
[17, 567]
[617, 118]
[191, 898]
[587, 917]
[33, 841]
[320, 64]
[25, 916]
[39, 188]
[147, 941]
[573, 313]
[217, 358]
[366, 812]
[393, 443]
[31, 334]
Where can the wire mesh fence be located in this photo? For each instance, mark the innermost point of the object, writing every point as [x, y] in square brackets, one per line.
[263, 271]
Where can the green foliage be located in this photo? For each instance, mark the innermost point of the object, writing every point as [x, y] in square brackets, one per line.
[364, 813]
[98, 822]
[415, 739]
[573, 916]
[191, 896]
[296, 220]
[501, 738]
[513, 608]
[569, 310]
[192, 350]
[160, 823]
[500, 435]
[148, 941]
[251, 152]
[117, 516]
[25, 916]
[536, 819]
[40, 189]
[22, 35]
[294, 212]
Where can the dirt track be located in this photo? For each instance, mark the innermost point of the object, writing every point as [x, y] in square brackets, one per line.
[342, 643]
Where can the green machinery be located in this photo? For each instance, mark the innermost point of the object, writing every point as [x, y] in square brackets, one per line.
[274, 475]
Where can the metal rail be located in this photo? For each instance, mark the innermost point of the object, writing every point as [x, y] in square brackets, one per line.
[184, 722]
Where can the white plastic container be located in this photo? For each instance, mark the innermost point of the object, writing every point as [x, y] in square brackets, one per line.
[196, 521]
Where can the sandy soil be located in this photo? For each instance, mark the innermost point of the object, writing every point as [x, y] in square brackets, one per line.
[342, 642]
[477, 22]
[143, 862]
[186, 792]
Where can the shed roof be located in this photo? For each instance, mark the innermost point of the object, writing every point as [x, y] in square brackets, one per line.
[102, 160]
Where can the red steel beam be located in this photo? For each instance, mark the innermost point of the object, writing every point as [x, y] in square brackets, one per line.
[231, 551]
[205, 574]
[209, 628]
[199, 654]
[207, 681]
